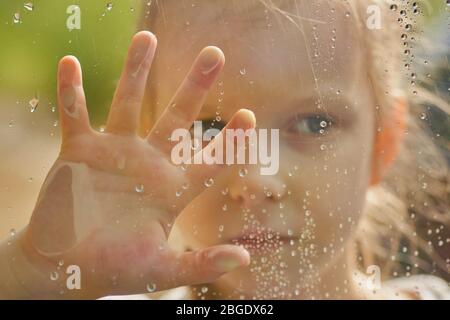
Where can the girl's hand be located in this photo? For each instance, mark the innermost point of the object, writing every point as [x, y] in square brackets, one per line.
[110, 200]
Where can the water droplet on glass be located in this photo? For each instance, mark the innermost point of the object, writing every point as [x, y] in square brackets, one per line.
[243, 72]
[243, 172]
[29, 6]
[33, 104]
[12, 232]
[208, 182]
[151, 287]
[54, 276]
[109, 6]
[16, 18]
[139, 188]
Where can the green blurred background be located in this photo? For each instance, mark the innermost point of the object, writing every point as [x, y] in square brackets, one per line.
[32, 47]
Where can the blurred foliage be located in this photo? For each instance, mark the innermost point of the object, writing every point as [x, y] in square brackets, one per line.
[32, 47]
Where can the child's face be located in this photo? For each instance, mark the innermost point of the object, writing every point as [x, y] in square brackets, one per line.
[294, 81]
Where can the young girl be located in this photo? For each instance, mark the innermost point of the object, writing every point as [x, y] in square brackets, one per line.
[355, 172]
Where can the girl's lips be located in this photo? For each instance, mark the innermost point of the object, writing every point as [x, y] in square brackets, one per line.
[263, 242]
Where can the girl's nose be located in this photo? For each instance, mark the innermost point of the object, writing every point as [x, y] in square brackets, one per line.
[249, 188]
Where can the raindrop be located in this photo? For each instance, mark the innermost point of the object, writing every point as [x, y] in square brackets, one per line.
[33, 104]
[243, 172]
[151, 287]
[208, 182]
[139, 188]
[29, 6]
[16, 18]
[54, 276]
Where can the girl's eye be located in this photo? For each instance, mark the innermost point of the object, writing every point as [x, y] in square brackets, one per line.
[311, 124]
[210, 124]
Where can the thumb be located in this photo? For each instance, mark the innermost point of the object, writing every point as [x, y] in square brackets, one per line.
[206, 265]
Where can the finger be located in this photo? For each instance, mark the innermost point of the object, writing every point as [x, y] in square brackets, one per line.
[125, 109]
[243, 119]
[185, 106]
[205, 265]
[73, 113]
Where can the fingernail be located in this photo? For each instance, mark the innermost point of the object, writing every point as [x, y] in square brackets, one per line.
[224, 263]
[68, 99]
[209, 60]
[141, 53]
